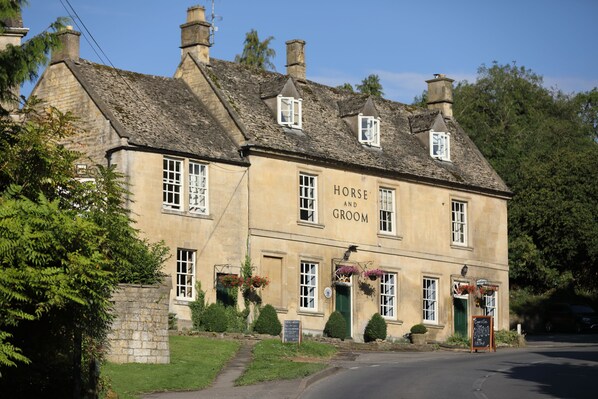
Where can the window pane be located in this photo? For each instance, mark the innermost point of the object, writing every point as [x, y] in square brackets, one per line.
[430, 301]
[307, 198]
[308, 285]
[387, 295]
[387, 213]
[198, 188]
[185, 273]
[171, 183]
[459, 222]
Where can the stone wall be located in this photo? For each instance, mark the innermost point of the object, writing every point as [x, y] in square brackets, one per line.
[140, 328]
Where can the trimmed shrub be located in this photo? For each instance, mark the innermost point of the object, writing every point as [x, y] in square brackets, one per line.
[376, 329]
[197, 307]
[214, 318]
[336, 326]
[236, 321]
[419, 329]
[267, 322]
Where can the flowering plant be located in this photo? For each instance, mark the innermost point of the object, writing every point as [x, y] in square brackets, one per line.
[347, 270]
[373, 274]
[257, 281]
[231, 280]
[467, 289]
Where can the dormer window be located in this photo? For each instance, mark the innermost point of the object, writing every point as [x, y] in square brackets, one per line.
[369, 130]
[440, 146]
[289, 112]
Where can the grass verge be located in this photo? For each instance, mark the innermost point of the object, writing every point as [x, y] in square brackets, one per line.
[273, 360]
[194, 364]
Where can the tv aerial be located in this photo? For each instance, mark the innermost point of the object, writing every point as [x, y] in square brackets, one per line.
[213, 19]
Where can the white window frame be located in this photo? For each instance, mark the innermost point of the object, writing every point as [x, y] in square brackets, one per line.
[172, 183]
[387, 213]
[185, 274]
[459, 222]
[369, 130]
[308, 197]
[491, 306]
[388, 295]
[440, 145]
[430, 300]
[289, 111]
[198, 188]
[308, 286]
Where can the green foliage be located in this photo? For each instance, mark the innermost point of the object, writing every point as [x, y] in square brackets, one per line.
[371, 85]
[236, 321]
[214, 318]
[458, 340]
[274, 360]
[198, 306]
[336, 326]
[267, 322]
[419, 329]
[172, 321]
[21, 63]
[375, 329]
[510, 338]
[543, 144]
[257, 54]
[346, 86]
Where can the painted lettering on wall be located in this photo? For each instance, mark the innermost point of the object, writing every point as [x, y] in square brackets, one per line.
[351, 198]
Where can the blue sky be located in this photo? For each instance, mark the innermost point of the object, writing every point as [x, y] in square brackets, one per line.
[405, 42]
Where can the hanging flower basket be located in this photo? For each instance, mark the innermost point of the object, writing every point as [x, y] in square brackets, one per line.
[257, 281]
[373, 274]
[347, 270]
[231, 281]
[467, 289]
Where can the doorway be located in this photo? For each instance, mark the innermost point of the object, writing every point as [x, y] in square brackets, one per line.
[343, 305]
[460, 316]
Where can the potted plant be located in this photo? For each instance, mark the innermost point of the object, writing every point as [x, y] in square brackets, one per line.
[373, 274]
[347, 270]
[231, 280]
[258, 282]
[418, 334]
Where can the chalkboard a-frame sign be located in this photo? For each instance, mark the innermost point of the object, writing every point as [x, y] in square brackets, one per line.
[482, 333]
[291, 331]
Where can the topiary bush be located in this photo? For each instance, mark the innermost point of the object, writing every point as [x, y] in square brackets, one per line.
[419, 329]
[214, 318]
[376, 329]
[267, 322]
[336, 326]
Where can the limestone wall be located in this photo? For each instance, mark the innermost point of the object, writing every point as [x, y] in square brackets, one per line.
[140, 330]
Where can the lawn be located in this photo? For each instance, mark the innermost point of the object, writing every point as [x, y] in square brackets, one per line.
[194, 364]
[273, 360]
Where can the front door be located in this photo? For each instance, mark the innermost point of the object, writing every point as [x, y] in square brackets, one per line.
[343, 305]
[460, 316]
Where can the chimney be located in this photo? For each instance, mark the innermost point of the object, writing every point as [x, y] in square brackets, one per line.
[296, 59]
[69, 45]
[440, 94]
[195, 34]
[12, 34]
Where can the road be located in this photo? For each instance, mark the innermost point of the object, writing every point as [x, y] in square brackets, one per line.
[548, 368]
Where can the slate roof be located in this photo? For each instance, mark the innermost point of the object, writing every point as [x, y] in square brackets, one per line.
[327, 137]
[155, 112]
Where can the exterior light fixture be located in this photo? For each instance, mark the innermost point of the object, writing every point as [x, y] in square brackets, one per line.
[464, 270]
[352, 248]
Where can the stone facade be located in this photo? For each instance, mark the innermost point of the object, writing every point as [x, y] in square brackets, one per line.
[140, 328]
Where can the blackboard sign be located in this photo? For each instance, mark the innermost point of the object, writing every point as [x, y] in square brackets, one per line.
[291, 331]
[482, 333]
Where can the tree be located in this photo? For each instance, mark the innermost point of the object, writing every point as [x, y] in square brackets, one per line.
[345, 86]
[257, 54]
[64, 244]
[371, 85]
[543, 144]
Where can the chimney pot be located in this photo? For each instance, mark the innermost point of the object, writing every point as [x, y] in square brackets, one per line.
[69, 45]
[296, 59]
[440, 94]
[195, 34]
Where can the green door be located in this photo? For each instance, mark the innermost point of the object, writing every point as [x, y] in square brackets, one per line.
[460, 315]
[343, 305]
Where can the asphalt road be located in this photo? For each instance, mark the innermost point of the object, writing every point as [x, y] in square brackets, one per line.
[564, 367]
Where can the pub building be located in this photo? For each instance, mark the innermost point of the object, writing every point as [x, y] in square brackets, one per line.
[342, 200]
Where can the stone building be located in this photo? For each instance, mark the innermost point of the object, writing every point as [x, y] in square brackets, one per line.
[224, 160]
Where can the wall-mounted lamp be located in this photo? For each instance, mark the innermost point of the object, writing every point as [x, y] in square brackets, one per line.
[352, 248]
[464, 270]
